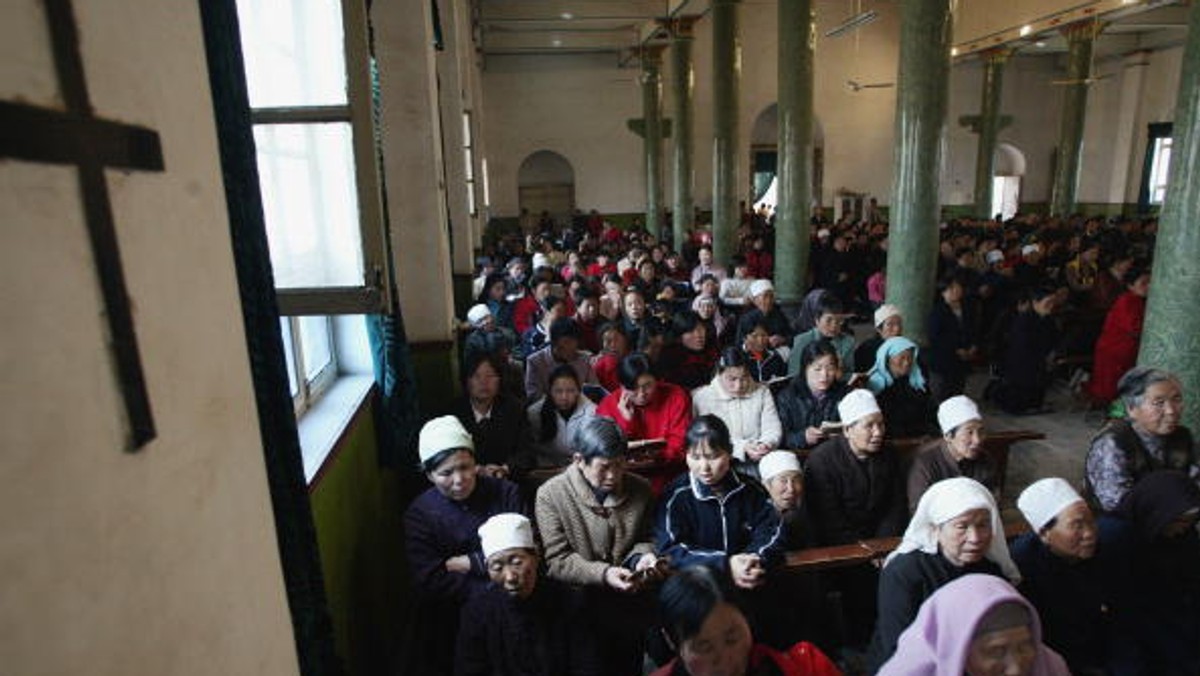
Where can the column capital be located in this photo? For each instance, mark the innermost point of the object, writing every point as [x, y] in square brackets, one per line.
[651, 55]
[680, 27]
[1086, 30]
[996, 55]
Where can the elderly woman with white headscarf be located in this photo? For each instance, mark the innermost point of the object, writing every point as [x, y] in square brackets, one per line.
[1077, 571]
[955, 531]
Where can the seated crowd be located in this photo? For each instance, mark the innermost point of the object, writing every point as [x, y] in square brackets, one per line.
[642, 442]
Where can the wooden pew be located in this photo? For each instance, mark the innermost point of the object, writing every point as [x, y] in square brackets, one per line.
[863, 551]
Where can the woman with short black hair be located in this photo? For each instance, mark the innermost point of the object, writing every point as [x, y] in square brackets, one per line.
[648, 408]
[710, 635]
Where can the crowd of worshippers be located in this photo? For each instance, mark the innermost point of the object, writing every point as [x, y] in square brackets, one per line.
[770, 436]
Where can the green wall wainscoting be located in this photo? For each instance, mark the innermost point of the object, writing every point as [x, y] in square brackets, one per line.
[356, 506]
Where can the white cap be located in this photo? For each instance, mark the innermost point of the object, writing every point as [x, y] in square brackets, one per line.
[540, 260]
[1030, 248]
[956, 411]
[478, 313]
[856, 405]
[886, 312]
[505, 531]
[994, 256]
[777, 462]
[760, 286]
[442, 434]
[1044, 499]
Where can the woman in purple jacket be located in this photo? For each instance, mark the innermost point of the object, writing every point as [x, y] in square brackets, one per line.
[442, 535]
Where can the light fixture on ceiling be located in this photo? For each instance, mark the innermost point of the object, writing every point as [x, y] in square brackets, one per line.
[556, 42]
[854, 22]
[1026, 30]
[1040, 43]
[567, 16]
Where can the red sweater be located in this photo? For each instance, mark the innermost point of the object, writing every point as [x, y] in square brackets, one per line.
[802, 659]
[666, 416]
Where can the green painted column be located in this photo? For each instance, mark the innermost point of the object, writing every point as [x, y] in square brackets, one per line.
[989, 126]
[921, 105]
[682, 84]
[797, 38]
[727, 73]
[652, 138]
[1171, 334]
[1081, 37]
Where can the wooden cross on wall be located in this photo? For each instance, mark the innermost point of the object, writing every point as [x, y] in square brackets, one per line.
[77, 137]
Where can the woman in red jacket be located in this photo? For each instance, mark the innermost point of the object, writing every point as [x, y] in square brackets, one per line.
[1117, 348]
[648, 408]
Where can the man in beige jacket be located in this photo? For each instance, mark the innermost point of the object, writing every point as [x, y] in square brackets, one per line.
[595, 521]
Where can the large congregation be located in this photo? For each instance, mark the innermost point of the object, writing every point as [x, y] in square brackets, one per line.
[645, 435]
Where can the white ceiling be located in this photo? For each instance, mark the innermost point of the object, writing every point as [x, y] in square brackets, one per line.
[619, 27]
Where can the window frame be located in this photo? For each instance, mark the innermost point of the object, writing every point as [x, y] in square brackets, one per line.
[1155, 131]
[371, 296]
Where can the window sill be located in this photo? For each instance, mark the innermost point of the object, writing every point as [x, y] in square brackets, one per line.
[322, 425]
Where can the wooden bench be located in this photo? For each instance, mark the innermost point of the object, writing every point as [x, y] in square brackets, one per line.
[863, 551]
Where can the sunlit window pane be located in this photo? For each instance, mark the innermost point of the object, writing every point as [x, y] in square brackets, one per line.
[289, 353]
[314, 338]
[307, 177]
[1159, 169]
[294, 52]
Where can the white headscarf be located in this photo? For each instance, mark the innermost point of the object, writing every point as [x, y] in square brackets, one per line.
[942, 502]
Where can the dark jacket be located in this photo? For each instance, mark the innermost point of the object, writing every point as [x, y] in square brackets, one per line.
[686, 368]
[696, 526]
[1166, 572]
[904, 584]
[947, 333]
[1084, 605]
[1031, 340]
[798, 410]
[503, 438]
[933, 462]
[907, 411]
[769, 367]
[547, 634]
[851, 499]
[435, 529]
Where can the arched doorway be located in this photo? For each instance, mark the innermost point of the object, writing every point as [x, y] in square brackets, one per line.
[1006, 180]
[545, 184]
[764, 157]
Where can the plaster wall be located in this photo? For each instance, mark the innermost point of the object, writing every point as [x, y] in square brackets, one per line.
[1033, 104]
[857, 127]
[163, 561]
[577, 106]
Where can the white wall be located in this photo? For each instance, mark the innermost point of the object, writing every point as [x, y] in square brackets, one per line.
[577, 106]
[165, 561]
[1033, 104]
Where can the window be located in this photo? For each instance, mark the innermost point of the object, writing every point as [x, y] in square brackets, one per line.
[1160, 162]
[469, 161]
[1156, 167]
[308, 76]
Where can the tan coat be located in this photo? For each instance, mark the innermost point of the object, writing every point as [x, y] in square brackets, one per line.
[580, 543]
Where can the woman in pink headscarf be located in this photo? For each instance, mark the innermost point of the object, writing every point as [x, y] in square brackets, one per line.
[977, 625]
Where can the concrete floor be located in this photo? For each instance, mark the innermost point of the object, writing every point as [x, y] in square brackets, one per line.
[1069, 430]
